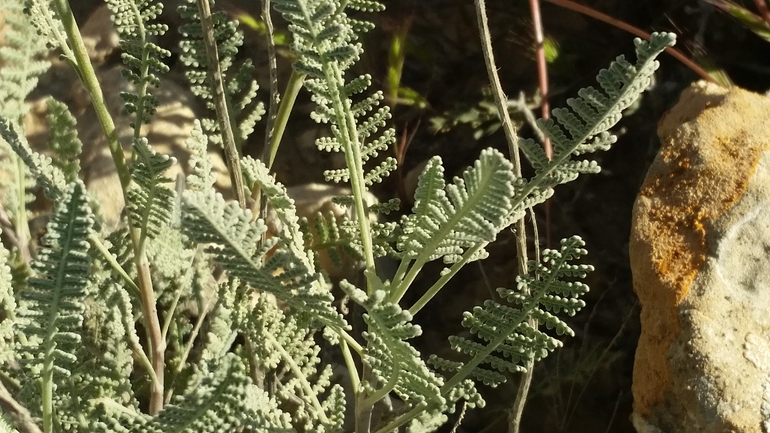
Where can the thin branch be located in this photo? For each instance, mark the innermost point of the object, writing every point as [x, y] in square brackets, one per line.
[82, 64]
[542, 69]
[763, 10]
[593, 13]
[220, 102]
[513, 146]
[275, 96]
[545, 109]
[18, 413]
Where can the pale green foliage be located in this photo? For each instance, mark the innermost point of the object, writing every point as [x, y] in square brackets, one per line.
[281, 340]
[22, 64]
[508, 340]
[51, 178]
[585, 127]
[63, 139]
[448, 219]
[201, 177]
[150, 200]
[224, 400]
[236, 247]
[395, 362]
[51, 309]
[21, 58]
[44, 16]
[324, 40]
[133, 21]
[240, 88]
[240, 309]
[7, 307]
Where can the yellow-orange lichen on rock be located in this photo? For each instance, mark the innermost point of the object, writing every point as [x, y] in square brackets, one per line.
[711, 142]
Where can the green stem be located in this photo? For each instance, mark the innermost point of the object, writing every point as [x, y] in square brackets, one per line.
[110, 259]
[79, 56]
[300, 376]
[403, 419]
[284, 111]
[441, 282]
[385, 390]
[355, 380]
[87, 75]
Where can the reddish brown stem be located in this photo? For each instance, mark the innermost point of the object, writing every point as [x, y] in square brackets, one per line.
[593, 13]
[763, 10]
[545, 108]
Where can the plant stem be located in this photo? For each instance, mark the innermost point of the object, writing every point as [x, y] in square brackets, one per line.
[300, 376]
[593, 13]
[296, 80]
[520, 229]
[18, 413]
[224, 121]
[82, 64]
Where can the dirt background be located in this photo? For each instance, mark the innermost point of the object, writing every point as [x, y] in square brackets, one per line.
[584, 387]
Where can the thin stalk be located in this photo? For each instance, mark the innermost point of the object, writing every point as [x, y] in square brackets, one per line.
[140, 106]
[275, 96]
[403, 419]
[110, 259]
[593, 13]
[78, 55]
[21, 212]
[347, 355]
[441, 282]
[18, 413]
[520, 228]
[257, 209]
[763, 10]
[354, 161]
[545, 109]
[385, 390]
[296, 80]
[300, 376]
[232, 156]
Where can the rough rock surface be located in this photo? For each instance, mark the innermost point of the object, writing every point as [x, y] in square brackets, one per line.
[699, 256]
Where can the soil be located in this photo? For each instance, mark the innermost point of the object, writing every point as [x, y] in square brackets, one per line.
[584, 387]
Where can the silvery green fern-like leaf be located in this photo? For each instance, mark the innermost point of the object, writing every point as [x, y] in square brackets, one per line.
[583, 128]
[240, 87]
[45, 18]
[49, 177]
[222, 400]
[395, 362]
[448, 219]
[506, 341]
[7, 309]
[150, 201]
[257, 173]
[279, 339]
[324, 40]
[22, 64]
[237, 247]
[201, 176]
[51, 309]
[63, 139]
[133, 20]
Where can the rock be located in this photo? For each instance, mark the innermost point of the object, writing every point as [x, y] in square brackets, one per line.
[699, 257]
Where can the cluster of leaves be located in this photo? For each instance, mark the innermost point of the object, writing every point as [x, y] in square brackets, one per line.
[244, 352]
